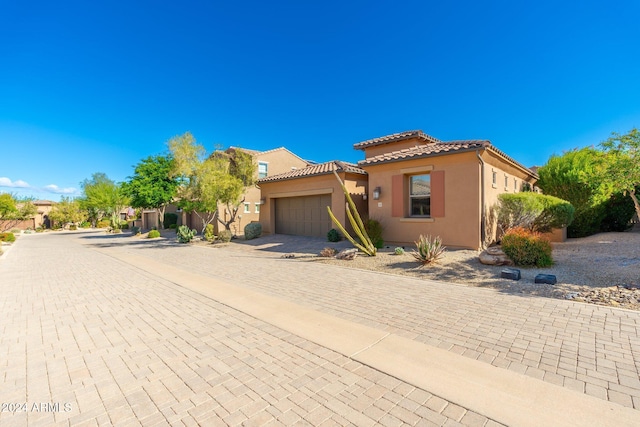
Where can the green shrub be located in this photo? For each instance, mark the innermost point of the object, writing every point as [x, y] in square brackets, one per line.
[103, 223]
[169, 219]
[7, 237]
[225, 236]
[556, 213]
[173, 226]
[534, 211]
[39, 229]
[527, 248]
[252, 230]
[124, 226]
[428, 250]
[135, 230]
[208, 233]
[185, 234]
[398, 251]
[73, 227]
[85, 224]
[333, 235]
[153, 234]
[16, 231]
[619, 210]
[374, 230]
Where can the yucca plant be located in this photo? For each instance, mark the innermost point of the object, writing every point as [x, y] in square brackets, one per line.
[428, 250]
[366, 244]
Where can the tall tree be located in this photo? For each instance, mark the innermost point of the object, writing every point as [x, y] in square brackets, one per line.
[103, 198]
[623, 163]
[153, 185]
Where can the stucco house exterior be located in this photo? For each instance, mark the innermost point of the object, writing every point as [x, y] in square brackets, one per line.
[295, 202]
[412, 183]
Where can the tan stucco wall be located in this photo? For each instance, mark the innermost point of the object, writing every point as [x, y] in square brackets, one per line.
[460, 226]
[314, 185]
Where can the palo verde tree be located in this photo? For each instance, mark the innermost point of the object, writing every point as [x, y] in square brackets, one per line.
[103, 198]
[67, 211]
[623, 163]
[207, 182]
[241, 174]
[152, 185]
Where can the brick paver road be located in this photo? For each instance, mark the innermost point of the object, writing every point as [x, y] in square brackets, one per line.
[587, 348]
[86, 339]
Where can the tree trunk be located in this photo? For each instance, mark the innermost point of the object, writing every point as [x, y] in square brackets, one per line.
[161, 210]
[632, 193]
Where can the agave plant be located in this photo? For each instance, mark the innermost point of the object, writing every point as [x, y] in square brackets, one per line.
[428, 250]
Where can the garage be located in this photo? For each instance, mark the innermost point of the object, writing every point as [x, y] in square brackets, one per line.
[303, 216]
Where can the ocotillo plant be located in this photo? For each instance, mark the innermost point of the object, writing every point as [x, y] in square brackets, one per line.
[367, 245]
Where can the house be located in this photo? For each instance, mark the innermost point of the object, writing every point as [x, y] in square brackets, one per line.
[413, 184]
[295, 202]
[268, 163]
[39, 219]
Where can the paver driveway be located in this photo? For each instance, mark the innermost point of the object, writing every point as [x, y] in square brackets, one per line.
[89, 340]
[87, 322]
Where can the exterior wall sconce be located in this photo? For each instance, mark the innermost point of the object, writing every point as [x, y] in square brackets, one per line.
[263, 201]
[376, 193]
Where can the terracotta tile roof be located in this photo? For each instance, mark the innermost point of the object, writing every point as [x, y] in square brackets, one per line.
[395, 137]
[427, 150]
[313, 170]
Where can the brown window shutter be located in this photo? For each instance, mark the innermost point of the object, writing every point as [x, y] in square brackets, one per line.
[397, 196]
[437, 194]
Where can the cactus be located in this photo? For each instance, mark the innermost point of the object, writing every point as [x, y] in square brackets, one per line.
[366, 244]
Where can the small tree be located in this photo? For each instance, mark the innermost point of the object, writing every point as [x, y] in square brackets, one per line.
[623, 163]
[533, 211]
[67, 211]
[242, 174]
[103, 198]
[16, 209]
[152, 186]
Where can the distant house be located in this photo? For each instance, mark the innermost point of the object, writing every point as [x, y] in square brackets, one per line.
[411, 182]
[40, 219]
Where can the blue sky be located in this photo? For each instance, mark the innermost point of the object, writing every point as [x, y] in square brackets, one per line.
[96, 86]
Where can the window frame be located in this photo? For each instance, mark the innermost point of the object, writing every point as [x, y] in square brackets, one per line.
[266, 170]
[247, 208]
[411, 197]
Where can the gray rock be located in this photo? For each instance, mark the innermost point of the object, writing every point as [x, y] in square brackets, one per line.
[494, 256]
[347, 254]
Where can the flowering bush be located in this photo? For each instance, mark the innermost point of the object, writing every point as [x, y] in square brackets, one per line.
[527, 248]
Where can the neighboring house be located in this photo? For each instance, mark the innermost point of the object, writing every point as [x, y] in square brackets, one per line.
[296, 201]
[413, 183]
[268, 163]
[40, 219]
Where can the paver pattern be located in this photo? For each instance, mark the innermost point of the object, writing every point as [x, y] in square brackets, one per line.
[90, 340]
[586, 348]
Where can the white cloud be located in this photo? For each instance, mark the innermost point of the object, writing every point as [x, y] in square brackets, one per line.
[52, 188]
[6, 182]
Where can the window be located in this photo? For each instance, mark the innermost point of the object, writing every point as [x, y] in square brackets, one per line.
[262, 170]
[246, 208]
[420, 195]
[495, 178]
[257, 207]
[506, 182]
[515, 185]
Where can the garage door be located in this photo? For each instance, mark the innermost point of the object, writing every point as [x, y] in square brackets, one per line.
[303, 216]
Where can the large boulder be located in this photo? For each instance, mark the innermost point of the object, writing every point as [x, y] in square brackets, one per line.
[347, 254]
[494, 256]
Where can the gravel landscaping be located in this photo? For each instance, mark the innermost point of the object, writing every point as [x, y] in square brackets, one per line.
[601, 269]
